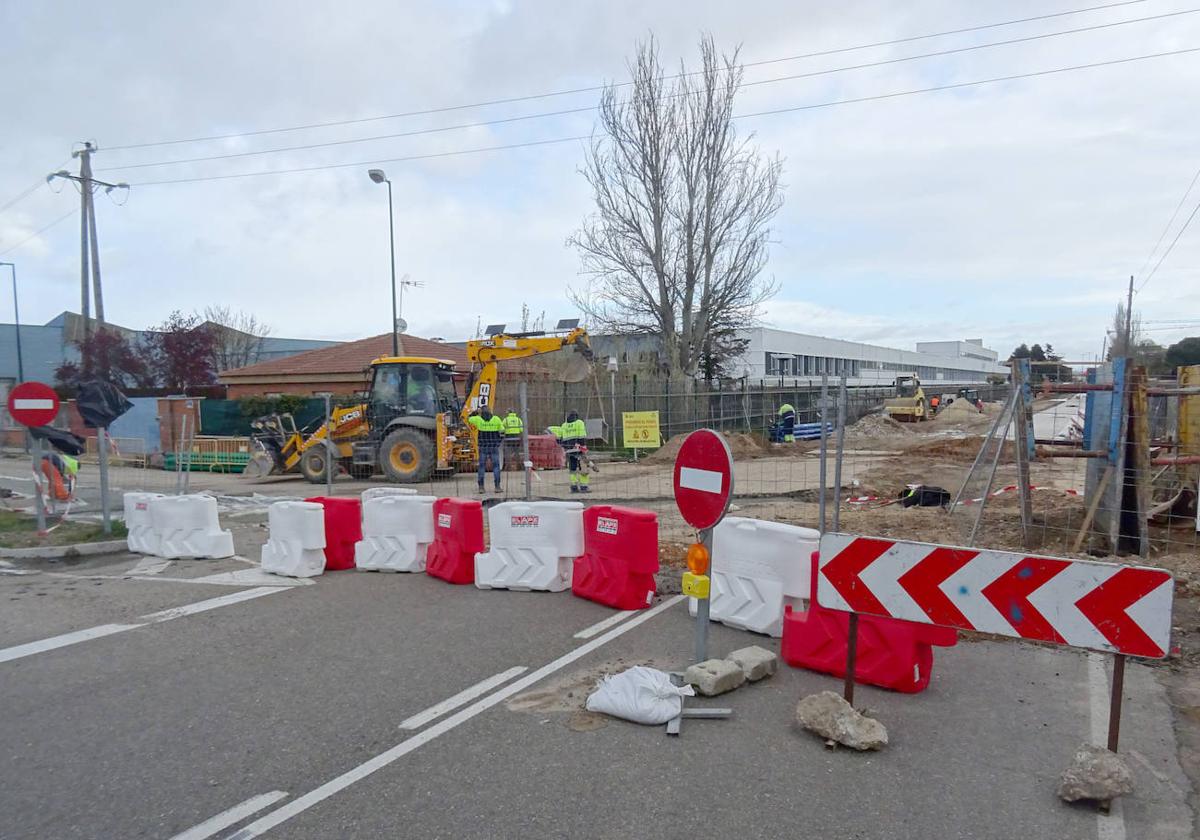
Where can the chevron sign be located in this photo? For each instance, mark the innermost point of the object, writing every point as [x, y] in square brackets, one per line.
[1101, 606]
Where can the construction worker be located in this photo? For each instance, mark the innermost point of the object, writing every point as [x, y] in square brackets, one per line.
[60, 471]
[574, 437]
[787, 422]
[934, 403]
[513, 426]
[489, 431]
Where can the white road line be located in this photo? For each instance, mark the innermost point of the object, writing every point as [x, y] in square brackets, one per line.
[212, 603]
[320, 794]
[233, 816]
[16, 478]
[54, 642]
[601, 626]
[150, 566]
[1112, 826]
[462, 698]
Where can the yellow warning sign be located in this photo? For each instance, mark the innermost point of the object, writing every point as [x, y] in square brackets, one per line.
[641, 429]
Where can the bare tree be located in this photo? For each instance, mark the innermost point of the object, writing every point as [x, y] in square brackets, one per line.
[683, 208]
[1117, 345]
[237, 337]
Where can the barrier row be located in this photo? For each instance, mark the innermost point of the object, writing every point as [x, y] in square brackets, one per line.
[606, 553]
[174, 527]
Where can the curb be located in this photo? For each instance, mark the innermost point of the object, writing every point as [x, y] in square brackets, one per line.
[63, 552]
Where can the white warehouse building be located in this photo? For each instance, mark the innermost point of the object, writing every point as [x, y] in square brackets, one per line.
[797, 358]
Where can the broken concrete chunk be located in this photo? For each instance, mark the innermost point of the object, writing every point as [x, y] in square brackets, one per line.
[755, 662]
[1095, 774]
[714, 676]
[831, 717]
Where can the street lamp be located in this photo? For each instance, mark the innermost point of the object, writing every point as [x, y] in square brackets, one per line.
[17, 318]
[378, 176]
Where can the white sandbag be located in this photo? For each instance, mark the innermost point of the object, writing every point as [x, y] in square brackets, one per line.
[640, 694]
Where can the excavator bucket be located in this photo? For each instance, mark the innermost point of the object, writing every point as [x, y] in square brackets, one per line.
[577, 367]
[260, 465]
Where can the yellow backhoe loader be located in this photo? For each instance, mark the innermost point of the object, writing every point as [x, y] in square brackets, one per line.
[909, 404]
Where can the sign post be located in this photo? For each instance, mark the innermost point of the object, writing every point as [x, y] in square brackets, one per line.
[703, 486]
[34, 404]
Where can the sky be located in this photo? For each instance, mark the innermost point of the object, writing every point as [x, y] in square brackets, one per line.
[1013, 212]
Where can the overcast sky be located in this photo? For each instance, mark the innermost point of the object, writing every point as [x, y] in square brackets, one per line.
[1012, 211]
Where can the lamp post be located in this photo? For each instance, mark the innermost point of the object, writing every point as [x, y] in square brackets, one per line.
[378, 176]
[17, 319]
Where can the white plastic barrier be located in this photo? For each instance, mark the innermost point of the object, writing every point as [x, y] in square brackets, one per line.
[382, 492]
[187, 526]
[295, 545]
[757, 569]
[142, 538]
[533, 546]
[397, 531]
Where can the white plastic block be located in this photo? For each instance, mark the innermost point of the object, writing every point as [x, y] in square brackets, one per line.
[187, 526]
[397, 532]
[142, 539]
[295, 545]
[533, 546]
[758, 568]
[380, 492]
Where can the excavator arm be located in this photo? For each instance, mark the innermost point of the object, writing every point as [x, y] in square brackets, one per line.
[487, 352]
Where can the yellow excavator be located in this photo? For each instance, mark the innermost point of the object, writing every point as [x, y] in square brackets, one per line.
[909, 404]
[412, 422]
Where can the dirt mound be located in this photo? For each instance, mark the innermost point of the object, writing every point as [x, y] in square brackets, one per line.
[961, 414]
[742, 446]
[877, 426]
[959, 449]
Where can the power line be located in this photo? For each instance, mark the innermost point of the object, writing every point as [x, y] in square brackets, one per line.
[22, 195]
[874, 98]
[40, 231]
[1167, 227]
[568, 111]
[593, 88]
[1170, 247]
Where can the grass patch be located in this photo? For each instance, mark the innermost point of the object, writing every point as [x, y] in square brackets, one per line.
[18, 530]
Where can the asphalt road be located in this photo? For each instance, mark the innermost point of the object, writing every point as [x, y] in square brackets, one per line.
[282, 711]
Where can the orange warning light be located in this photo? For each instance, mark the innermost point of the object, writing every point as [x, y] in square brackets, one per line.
[697, 559]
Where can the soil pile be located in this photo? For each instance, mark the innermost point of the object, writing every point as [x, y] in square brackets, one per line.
[742, 446]
[876, 426]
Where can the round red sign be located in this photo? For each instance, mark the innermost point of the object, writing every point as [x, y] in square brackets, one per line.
[33, 404]
[703, 478]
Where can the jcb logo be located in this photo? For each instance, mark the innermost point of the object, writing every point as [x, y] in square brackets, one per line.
[485, 394]
[352, 415]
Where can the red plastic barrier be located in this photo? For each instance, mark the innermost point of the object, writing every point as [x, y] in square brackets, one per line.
[546, 453]
[891, 653]
[457, 538]
[620, 557]
[343, 528]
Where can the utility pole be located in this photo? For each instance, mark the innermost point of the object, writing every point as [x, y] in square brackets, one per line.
[1129, 320]
[89, 246]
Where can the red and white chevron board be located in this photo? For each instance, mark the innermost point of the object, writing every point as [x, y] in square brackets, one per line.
[1102, 606]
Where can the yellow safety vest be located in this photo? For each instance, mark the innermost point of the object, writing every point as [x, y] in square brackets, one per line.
[513, 424]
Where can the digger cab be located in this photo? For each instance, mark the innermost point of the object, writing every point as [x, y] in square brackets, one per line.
[413, 387]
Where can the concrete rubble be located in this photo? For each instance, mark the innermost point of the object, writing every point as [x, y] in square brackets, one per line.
[756, 662]
[1096, 775]
[714, 676]
[827, 714]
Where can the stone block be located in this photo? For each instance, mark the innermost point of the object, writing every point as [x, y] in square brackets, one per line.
[714, 676]
[755, 662]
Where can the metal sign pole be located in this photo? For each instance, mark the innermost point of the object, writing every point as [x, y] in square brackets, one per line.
[702, 604]
[841, 445]
[526, 461]
[1114, 708]
[37, 483]
[328, 450]
[105, 508]
[824, 450]
[851, 659]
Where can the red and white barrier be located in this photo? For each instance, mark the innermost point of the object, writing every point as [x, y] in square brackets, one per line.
[620, 557]
[533, 546]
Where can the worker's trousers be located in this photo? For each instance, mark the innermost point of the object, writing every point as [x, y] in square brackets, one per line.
[492, 452]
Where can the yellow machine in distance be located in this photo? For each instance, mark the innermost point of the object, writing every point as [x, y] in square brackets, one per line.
[909, 404]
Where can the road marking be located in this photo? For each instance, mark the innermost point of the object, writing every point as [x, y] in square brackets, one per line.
[212, 603]
[708, 481]
[1112, 826]
[233, 816]
[314, 797]
[463, 697]
[55, 642]
[601, 626]
[16, 478]
[150, 566]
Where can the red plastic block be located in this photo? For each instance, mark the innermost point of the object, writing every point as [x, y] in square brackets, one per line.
[457, 538]
[343, 528]
[620, 557]
[890, 653]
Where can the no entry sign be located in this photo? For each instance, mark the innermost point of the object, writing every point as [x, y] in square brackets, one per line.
[703, 478]
[33, 404]
[1101, 606]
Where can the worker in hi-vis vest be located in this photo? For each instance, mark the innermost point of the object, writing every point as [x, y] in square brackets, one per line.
[490, 435]
[513, 426]
[787, 422]
[574, 438]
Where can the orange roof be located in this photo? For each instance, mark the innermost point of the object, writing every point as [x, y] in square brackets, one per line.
[346, 359]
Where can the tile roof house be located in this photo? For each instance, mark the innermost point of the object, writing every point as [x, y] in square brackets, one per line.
[340, 369]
